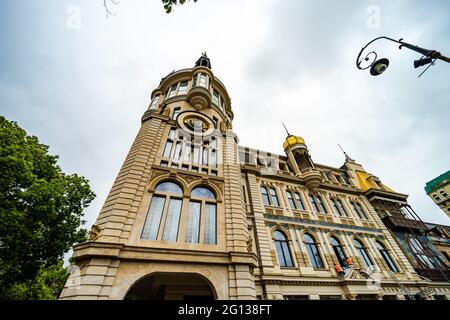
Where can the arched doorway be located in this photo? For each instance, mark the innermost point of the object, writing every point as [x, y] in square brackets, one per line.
[171, 286]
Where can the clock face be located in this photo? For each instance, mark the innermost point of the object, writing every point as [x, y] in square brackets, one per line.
[196, 124]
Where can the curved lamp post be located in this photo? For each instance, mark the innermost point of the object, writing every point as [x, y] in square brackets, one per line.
[377, 67]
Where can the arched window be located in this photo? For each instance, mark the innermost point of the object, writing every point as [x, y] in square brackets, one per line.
[386, 256]
[165, 206]
[338, 251]
[202, 217]
[363, 253]
[282, 247]
[313, 252]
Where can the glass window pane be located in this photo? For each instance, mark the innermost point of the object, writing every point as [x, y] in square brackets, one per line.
[183, 87]
[169, 187]
[193, 223]
[287, 254]
[196, 154]
[177, 153]
[290, 200]
[265, 196]
[202, 192]
[209, 236]
[313, 202]
[153, 220]
[213, 157]
[280, 254]
[187, 153]
[167, 149]
[172, 134]
[173, 90]
[205, 156]
[308, 238]
[154, 102]
[215, 98]
[279, 236]
[176, 111]
[172, 220]
[274, 198]
[299, 202]
[361, 212]
[320, 203]
[202, 81]
[342, 208]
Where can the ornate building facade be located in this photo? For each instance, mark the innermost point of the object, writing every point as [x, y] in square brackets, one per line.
[193, 215]
[438, 190]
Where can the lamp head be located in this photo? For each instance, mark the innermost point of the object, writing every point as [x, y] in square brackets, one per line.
[379, 67]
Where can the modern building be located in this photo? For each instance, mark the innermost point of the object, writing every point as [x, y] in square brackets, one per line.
[438, 190]
[193, 215]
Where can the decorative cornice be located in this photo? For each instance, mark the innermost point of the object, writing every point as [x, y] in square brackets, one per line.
[124, 252]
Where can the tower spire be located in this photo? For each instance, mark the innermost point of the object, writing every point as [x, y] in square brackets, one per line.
[347, 158]
[286, 129]
[203, 61]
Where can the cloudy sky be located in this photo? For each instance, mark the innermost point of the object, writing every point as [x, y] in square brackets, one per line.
[81, 81]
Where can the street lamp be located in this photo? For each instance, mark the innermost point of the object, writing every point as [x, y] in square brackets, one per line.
[377, 67]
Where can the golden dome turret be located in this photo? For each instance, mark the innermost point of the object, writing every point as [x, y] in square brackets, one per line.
[292, 140]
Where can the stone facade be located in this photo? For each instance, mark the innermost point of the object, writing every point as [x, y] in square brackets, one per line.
[188, 218]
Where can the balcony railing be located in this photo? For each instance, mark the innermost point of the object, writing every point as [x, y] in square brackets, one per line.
[434, 274]
[393, 222]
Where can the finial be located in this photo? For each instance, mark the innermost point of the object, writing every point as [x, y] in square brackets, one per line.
[347, 158]
[286, 129]
[204, 54]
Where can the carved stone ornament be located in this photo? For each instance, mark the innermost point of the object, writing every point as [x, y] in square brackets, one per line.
[94, 234]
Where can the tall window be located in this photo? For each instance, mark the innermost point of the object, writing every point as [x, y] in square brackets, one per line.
[313, 252]
[217, 99]
[290, 200]
[203, 79]
[202, 212]
[338, 251]
[154, 103]
[193, 155]
[282, 247]
[317, 203]
[163, 216]
[295, 201]
[314, 203]
[362, 252]
[339, 207]
[183, 87]
[386, 256]
[175, 113]
[177, 89]
[269, 196]
[298, 201]
[419, 251]
[358, 210]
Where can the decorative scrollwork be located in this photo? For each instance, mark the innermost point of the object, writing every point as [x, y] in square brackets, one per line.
[367, 58]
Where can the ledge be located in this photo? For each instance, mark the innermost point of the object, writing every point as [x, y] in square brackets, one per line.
[97, 249]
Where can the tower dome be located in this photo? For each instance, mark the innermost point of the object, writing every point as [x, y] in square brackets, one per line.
[292, 140]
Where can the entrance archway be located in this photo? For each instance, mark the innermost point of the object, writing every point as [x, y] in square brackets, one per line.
[172, 286]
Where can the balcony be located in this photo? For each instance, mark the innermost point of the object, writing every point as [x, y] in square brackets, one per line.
[434, 274]
[393, 222]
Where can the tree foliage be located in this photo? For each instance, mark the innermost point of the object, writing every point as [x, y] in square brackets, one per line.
[47, 285]
[41, 208]
[168, 4]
